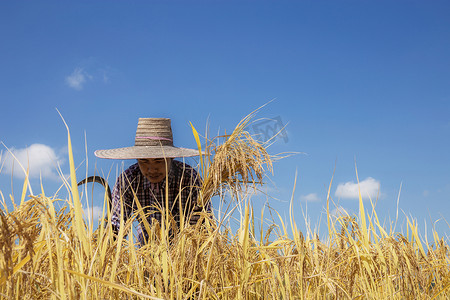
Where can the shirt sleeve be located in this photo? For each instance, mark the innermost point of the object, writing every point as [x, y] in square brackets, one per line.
[190, 192]
[121, 194]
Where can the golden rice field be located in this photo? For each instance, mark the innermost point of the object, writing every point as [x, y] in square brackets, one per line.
[50, 253]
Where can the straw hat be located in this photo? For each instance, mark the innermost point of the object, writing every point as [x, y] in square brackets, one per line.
[153, 140]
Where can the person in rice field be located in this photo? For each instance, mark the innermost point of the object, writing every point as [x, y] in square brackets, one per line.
[156, 180]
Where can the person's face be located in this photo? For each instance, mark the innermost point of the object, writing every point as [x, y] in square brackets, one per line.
[154, 169]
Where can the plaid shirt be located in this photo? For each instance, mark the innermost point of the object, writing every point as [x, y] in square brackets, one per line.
[183, 184]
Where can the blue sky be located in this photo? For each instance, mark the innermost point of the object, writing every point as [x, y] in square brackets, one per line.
[354, 81]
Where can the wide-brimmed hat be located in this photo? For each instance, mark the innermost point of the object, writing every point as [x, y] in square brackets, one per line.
[153, 140]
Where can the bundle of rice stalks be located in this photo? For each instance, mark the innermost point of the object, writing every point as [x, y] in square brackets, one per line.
[236, 164]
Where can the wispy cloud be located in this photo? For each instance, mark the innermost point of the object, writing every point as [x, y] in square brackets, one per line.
[78, 78]
[38, 158]
[89, 71]
[105, 76]
[95, 212]
[312, 197]
[349, 190]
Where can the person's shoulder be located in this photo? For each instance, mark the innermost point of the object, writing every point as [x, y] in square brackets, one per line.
[131, 171]
[132, 168]
[129, 176]
[182, 167]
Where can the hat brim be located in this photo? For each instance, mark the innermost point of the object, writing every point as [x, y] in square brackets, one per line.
[142, 152]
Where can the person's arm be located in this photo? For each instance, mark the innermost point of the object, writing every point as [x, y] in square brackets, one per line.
[192, 185]
[120, 194]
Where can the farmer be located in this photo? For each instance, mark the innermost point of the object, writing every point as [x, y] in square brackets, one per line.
[155, 176]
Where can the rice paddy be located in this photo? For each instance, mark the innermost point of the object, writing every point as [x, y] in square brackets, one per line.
[51, 253]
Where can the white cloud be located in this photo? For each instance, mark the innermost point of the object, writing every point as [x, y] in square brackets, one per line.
[39, 158]
[312, 197]
[95, 211]
[77, 79]
[369, 188]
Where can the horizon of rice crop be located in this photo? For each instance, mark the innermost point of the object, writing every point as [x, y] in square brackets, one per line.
[50, 253]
